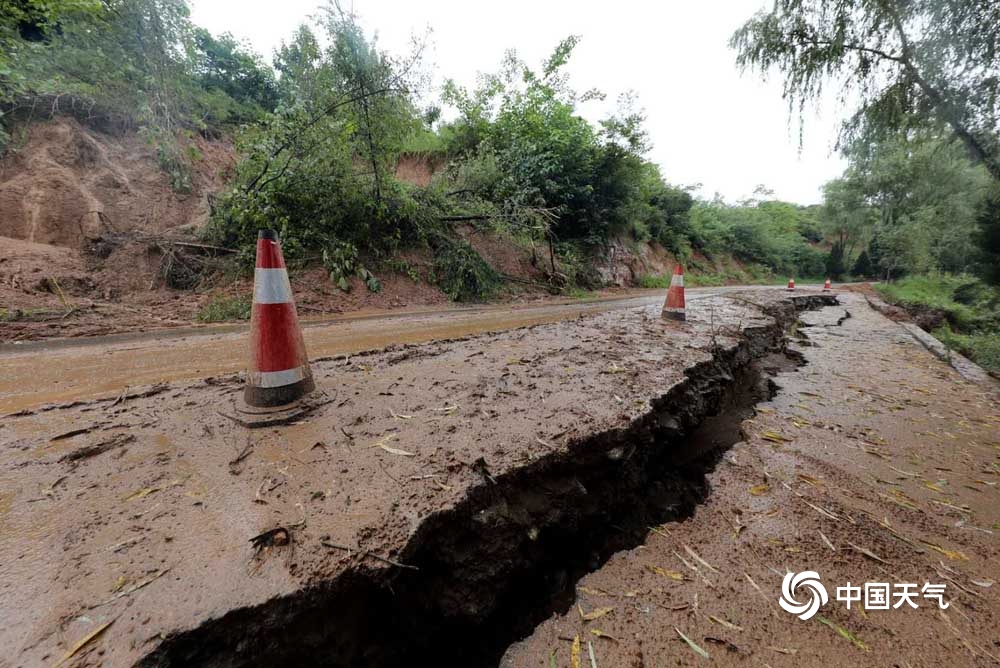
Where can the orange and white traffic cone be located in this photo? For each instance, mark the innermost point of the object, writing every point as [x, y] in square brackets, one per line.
[673, 308]
[279, 369]
[826, 286]
[791, 284]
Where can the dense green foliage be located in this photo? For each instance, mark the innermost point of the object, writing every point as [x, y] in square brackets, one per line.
[925, 75]
[911, 63]
[971, 311]
[521, 161]
[524, 155]
[911, 203]
[320, 135]
[129, 64]
[320, 168]
[774, 234]
[222, 308]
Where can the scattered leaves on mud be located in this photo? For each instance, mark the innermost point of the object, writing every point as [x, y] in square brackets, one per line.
[844, 633]
[673, 575]
[383, 444]
[722, 622]
[597, 613]
[693, 645]
[83, 642]
[140, 493]
[954, 555]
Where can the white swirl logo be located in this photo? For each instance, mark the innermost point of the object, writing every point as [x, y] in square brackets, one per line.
[817, 595]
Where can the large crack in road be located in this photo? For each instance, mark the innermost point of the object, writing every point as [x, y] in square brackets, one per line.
[448, 499]
[483, 574]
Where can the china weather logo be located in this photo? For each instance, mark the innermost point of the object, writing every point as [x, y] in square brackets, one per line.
[808, 581]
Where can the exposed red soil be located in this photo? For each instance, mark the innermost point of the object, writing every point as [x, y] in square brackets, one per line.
[418, 168]
[69, 185]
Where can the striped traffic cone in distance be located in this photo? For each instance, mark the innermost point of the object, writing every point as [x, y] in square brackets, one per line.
[791, 284]
[826, 286]
[673, 308]
[279, 369]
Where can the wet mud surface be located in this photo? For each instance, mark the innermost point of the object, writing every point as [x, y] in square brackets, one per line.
[199, 541]
[70, 369]
[874, 462]
[487, 500]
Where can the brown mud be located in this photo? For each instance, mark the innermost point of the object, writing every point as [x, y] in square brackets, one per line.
[874, 462]
[41, 372]
[485, 573]
[442, 503]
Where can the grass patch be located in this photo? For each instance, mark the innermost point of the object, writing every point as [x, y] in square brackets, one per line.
[222, 309]
[27, 314]
[580, 293]
[8, 315]
[984, 349]
[970, 307]
[650, 281]
[934, 292]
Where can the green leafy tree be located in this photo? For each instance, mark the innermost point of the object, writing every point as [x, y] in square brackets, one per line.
[912, 186]
[552, 173]
[863, 266]
[846, 213]
[910, 63]
[26, 26]
[770, 233]
[299, 63]
[223, 64]
[835, 267]
[988, 220]
[319, 168]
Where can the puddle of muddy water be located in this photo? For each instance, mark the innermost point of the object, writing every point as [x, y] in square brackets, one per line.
[509, 556]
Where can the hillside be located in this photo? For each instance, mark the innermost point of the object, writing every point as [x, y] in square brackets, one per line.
[88, 222]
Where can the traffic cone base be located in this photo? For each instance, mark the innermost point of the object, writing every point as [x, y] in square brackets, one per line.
[275, 398]
[279, 372]
[673, 308]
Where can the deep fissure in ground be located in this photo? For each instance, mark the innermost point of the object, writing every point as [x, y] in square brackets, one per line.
[507, 557]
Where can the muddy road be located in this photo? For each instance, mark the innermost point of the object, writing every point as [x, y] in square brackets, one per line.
[52, 371]
[570, 493]
[873, 461]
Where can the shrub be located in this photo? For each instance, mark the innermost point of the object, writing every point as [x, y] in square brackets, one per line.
[461, 272]
[650, 281]
[221, 308]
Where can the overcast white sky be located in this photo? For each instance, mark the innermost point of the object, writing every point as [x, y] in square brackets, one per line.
[708, 123]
